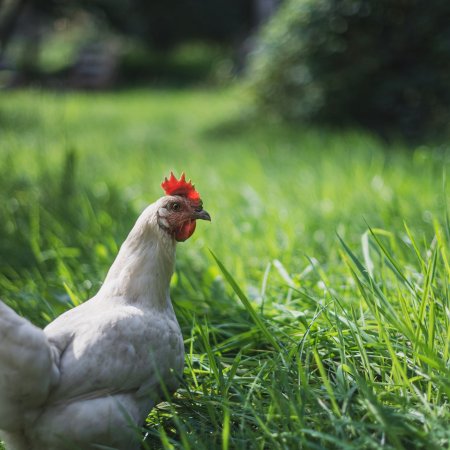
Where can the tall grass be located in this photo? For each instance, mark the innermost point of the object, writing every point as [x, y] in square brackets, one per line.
[315, 307]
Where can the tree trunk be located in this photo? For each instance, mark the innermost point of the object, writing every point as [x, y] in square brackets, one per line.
[8, 24]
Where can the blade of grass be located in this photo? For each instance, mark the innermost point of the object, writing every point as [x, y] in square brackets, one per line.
[245, 301]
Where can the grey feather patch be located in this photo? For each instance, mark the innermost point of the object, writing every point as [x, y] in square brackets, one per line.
[163, 212]
[163, 222]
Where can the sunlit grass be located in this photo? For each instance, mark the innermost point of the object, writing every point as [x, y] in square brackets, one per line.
[325, 320]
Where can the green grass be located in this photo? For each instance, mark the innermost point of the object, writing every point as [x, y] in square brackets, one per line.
[315, 307]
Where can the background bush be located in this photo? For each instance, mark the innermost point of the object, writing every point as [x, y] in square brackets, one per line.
[383, 64]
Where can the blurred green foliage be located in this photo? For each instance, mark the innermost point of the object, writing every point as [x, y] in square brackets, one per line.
[383, 64]
[61, 44]
[186, 64]
[160, 23]
[164, 23]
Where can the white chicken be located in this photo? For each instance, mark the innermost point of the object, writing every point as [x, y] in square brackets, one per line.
[89, 379]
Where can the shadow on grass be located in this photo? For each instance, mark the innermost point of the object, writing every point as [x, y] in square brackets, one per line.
[19, 121]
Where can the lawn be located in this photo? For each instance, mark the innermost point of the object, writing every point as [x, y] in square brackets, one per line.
[323, 321]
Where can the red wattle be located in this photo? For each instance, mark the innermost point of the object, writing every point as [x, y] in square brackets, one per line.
[185, 231]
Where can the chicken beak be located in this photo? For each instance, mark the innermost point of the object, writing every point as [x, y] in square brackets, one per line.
[201, 214]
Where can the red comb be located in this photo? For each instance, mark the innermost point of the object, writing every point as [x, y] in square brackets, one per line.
[172, 186]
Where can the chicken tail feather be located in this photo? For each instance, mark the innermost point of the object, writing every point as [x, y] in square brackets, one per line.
[27, 368]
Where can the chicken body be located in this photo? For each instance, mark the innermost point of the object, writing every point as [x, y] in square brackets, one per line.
[92, 376]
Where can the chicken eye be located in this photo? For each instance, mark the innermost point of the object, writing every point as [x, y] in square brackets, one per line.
[175, 206]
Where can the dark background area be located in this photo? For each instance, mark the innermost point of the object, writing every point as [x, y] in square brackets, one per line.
[382, 65]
